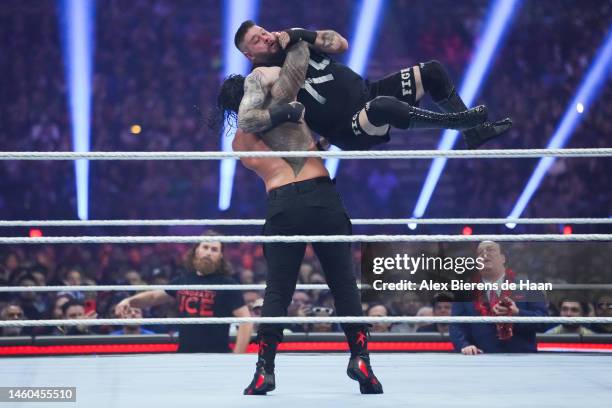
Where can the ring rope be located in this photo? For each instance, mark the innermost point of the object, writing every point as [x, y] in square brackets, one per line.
[194, 239]
[356, 154]
[302, 320]
[356, 221]
[311, 286]
[107, 288]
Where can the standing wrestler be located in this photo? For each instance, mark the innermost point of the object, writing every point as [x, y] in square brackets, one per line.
[302, 200]
[355, 114]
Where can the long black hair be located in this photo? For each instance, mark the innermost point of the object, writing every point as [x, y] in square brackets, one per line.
[228, 100]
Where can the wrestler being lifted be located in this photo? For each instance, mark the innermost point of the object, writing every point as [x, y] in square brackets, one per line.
[353, 113]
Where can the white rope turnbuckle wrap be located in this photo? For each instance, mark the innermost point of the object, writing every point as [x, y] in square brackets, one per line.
[368, 154]
[355, 221]
[194, 239]
[303, 320]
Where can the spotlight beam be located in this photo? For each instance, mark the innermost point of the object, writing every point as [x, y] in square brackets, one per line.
[497, 22]
[592, 84]
[78, 28]
[235, 12]
[360, 48]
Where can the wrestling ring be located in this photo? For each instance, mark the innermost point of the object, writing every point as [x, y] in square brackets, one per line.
[306, 379]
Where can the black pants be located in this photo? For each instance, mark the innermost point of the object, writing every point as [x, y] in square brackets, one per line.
[311, 207]
[349, 135]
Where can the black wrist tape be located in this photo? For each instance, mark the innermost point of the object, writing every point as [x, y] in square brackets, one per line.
[299, 34]
[285, 113]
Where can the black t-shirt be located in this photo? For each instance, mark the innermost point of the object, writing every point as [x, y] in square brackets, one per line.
[205, 338]
[332, 94]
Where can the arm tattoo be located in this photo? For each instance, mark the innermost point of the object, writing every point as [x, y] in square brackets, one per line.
[328, 38]
[328, 41]
[292, 74]
[251, 117]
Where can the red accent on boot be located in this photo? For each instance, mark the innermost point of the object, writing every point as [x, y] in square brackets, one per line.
[262, 347]
[363, 368]
[361, 338]
[260, 381]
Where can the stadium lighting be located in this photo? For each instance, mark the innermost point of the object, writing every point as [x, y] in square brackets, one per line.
[360, 48]
[78, 31]
[588, 90]
[235, 11]
[497, 22]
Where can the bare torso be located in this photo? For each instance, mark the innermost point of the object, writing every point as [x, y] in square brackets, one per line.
[277, 172]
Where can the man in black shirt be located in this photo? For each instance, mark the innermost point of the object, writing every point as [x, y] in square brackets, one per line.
[209, 268]
[356, 114]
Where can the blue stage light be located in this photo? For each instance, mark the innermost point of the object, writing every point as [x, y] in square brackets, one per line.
[497, 22]
[360, 47]
[235, 11]
[593, 83]
[78, 34]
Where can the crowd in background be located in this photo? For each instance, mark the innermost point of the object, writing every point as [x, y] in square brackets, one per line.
[159, 64]
[158, 264]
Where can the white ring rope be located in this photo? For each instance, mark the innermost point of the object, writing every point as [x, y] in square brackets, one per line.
[194, 239]
[302, 320]
[357, 154]
[310, 286]
[356, 221]
[106, 288]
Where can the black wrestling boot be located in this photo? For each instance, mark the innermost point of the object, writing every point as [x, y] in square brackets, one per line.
[384, 110]
[263, 380]
[479, 135]
[359, 368]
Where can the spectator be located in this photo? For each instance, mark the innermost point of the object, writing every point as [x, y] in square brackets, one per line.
[39, 273]
[321, 327]
[306, 269]
[379, 310]
[59, 302]
[12, 311]
[571, 308]
[11, 264]
[73, 277]
[132, 277]
[442, 306]
[603, 308]
[316, 278]
[247, 277]
[132, 313]
[250, 297]
[425, 311]
[75, 310]
[301, 306]
[31, 302]
[408, 305]
[208, 267]
[476, 338]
